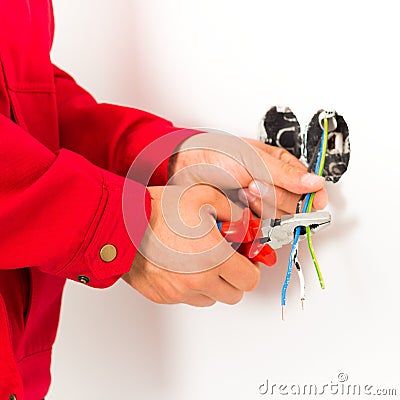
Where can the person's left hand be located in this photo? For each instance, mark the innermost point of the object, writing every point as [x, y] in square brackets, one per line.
[282, 187]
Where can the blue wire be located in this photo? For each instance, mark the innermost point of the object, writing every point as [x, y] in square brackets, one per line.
[298, 229]
[321, 147]
[290, 266]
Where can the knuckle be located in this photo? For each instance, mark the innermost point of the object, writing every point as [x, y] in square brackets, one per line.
[193, 281]
[288, 170]
[282, 154]
[291, 177]
[289, 158]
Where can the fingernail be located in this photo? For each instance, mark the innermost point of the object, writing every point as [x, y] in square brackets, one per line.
[259, 189]
[312, 180]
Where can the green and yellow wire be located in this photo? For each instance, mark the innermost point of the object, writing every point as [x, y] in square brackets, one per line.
[320, 171]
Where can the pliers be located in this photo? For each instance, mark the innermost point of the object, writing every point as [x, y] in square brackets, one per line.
[257, 239]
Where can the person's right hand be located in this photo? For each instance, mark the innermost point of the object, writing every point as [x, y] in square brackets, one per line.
[229, 276]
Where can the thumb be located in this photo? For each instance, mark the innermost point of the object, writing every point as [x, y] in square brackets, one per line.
[225, 209]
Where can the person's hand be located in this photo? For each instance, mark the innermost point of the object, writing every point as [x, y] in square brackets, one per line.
[281, 183]
[225, 274]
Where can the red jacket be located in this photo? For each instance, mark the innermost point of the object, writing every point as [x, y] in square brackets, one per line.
[62, 158]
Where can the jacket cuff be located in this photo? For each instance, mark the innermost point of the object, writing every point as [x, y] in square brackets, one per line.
[108, 251]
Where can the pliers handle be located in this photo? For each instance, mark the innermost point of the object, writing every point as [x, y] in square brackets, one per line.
[246, 234]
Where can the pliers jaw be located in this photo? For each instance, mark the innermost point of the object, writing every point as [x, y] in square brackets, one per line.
[258, 238]
[279, 232]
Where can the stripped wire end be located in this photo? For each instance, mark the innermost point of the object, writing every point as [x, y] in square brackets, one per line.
[305, 204]
[302, 304]
[283, 313]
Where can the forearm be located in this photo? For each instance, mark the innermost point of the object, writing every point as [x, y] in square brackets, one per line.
[59, 210]
[110, 136]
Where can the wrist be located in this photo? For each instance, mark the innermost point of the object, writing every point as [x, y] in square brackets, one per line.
[185, 153]
[175, 162]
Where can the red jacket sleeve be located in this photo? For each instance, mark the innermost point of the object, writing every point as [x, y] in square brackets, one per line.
[58, 211]
[112, 136]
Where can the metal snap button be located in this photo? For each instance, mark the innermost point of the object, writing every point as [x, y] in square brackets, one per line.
[83, 279]
[108, 253]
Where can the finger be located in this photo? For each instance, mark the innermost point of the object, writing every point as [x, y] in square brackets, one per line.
[240, 273]
[285, 156]
[224, 292]
[199, 207]
[225, 209]
[320, 199]
[280, 213]
[274, 195]
[286, 202]
[321, 196]
[278, 153]
[270, 198]
[212, 283]
[293, 179]
[200, 300]
[256, 204]
[286, 170]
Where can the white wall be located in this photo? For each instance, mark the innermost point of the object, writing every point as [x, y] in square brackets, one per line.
[221, 64]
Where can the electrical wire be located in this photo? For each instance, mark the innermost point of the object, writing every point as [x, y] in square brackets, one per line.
[319, 170]
[306, 207]
[302, 281]
[292, 253]
[290, 267]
